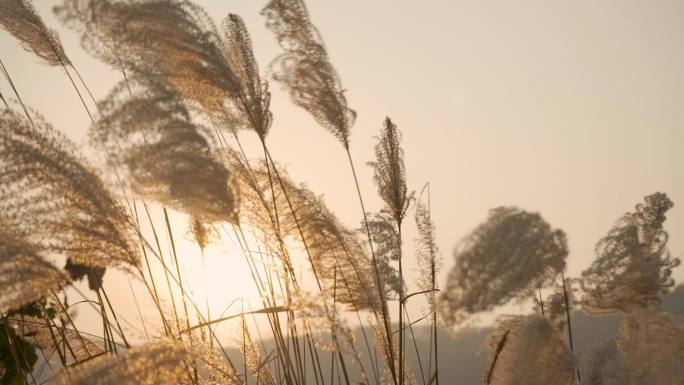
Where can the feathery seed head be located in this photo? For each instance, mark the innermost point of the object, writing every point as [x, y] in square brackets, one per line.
[168, 157]
[50, 198]
[20, 19]
[652, 343]
[633, 266]
[25, 276]
[508, 257]
[389, 171]
[527, 350]
[305, 69]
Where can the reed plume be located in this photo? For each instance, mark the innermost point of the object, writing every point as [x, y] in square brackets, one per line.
[330, 244]
[52, 199]
[389, 172]
[508, 257]
[633, 265]
[305, 69]
[533, 353]
[25, 276]
[253, 95]
[169, 158]
[652, 344]
[173, 40]
[161, 362]
[427, 252]
[19, 18]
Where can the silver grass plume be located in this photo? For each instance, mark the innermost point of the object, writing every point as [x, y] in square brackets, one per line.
[329, 242]
[305, 69]
[253, 96]
[652, 343]
[162, 362]
[389, 171]
[53, 200]
[169, 158]
[532, 353]
[20, 19]
[427, 252]
[633, 266]
[25, 276]
[508, 257]
[177, 42]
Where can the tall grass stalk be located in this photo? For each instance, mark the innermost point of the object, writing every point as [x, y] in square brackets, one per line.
[378, 281]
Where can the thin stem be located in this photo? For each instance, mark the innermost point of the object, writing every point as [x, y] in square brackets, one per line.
[16, 93]
[378, 282]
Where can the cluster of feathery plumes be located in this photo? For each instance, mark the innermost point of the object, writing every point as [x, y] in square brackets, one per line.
[305, 69]
[176, 42]
[633, 265]
[632, 269]
[57, 204]
[508, 257]
[20, 19]
[527, 350]
[146, 128]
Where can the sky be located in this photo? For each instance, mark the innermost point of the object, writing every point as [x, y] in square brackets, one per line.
[570, 109]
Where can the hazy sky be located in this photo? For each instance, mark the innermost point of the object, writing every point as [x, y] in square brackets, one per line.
[573, 109]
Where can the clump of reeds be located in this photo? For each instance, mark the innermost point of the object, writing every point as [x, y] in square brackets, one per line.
[175, 63]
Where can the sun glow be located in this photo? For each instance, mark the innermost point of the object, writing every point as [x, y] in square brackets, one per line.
[218, 278]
